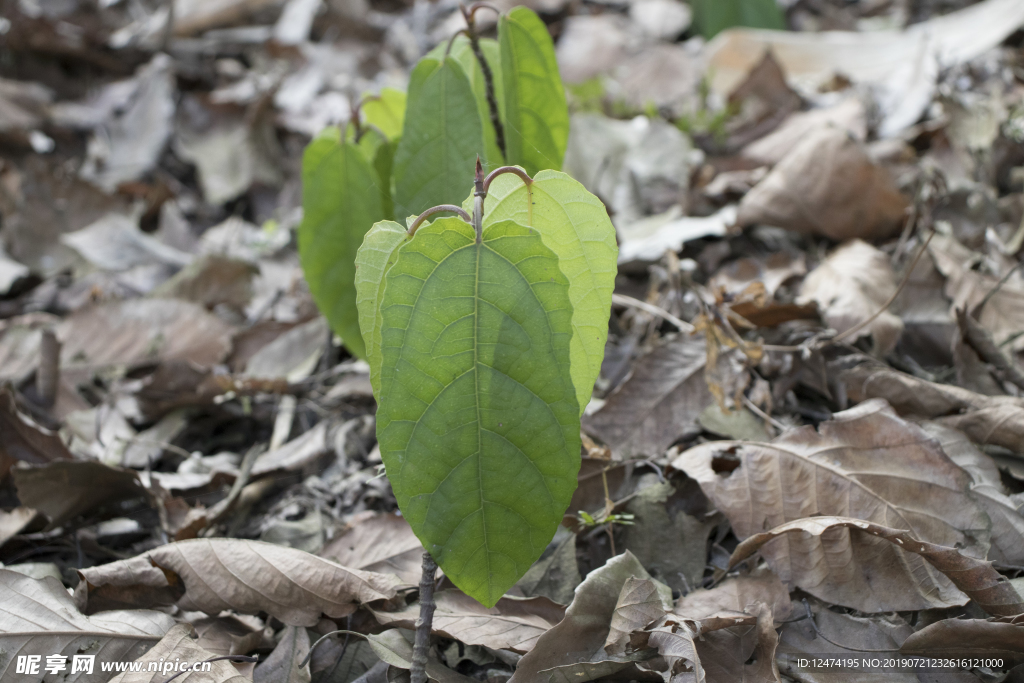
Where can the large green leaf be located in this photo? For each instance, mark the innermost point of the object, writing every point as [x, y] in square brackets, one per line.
[574, 224]
[341, 199]
[386, 112]
[713, 16]
[373, 260]
[478, 422]
[440, 141]
[536, 114]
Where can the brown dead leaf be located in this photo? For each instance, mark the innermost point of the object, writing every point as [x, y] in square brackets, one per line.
[865, 463]
[773, 270]
[641, 603]
[1005, 512]
[211, 280]
[381, 543]
[283, 664]
[997, 420]
[969, 638]
[734, 594]
[827, 185]
[585, 627]
[1003, 313]
[850, 286]
[976, 578]
[12, 522]
[65, 489]
[211, 575]
[556, 574]
[22, 440]
[38, 617]
[848, 115]
[762, 101]
[512, 624]
[139, 331]
[229, 635]
[180, 645]
[658, 404]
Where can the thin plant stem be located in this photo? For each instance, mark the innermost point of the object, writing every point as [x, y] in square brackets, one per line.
[437, 209]
[479, 194]
[485, 69]
[421, 646]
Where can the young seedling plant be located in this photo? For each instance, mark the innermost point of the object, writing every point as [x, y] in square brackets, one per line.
[484, 333]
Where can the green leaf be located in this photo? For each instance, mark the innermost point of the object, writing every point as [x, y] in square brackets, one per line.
[536, 115]
[575, 225]
[478, 424]
[714, 16]
[373, 260]
[386, 112]
[383, 162]
[441, 139]
[341, 199]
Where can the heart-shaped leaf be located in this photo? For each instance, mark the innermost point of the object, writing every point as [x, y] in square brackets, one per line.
[574, 224]
[478, 422]
[373, 260]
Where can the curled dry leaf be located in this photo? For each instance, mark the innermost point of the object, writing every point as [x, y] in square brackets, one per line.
[583, 631]
[827, 185]
[641, 603]
[850, 286]
[658, 404]
[23, 440]
[38, 617]
[284, 664]
[512, 624]
[969, 638]
[382, 543]
[976, 578]
[734, 594]
[211, 575]
[392, 647]
[996, 420]
[179, 645]
[868, 464]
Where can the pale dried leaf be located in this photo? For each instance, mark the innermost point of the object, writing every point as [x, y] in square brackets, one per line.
[640, 604]
[211, 575]
[180, 645]
[512, 624]
[556, 574]
[38, 617]
[734, 594]
[976, 578]
[85, 486]
[393, 648]
[969, 638]
[584, 629]
[658, 404]
[850, 287]
[383, 543]
[283, 664]
[866, 463]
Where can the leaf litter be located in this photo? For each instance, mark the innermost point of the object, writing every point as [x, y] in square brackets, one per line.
[805, 438]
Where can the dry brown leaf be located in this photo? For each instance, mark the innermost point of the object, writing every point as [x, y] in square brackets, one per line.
[641, 603]
[65, 489]
[230, 635]
[211, 280]
[21, 439]
[556, 574]
[850, 286]
[393, 648]
[827, 185]
[211, 575]
[12, 522]
[584, 629]
[976, 578]
[848, 115]
[139, 331]
[1005, 512]
[658, 404]
[512, 624]
[866, 463]
[734, 594]
[986, 638]
[875, 634]
[382, 543]
[283, 664]
[1003, 313]
[179, 645]
[997, 420]
[38, 617]
[773, 270]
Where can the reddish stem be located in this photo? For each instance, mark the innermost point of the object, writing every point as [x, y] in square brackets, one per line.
[438, 209]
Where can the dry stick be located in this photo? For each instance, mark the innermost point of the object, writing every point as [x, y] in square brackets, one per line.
[982, 342]
[485, 69]
[48, 372]
[623, 300]
[309, 655]
[218, 511]
[421, 647]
